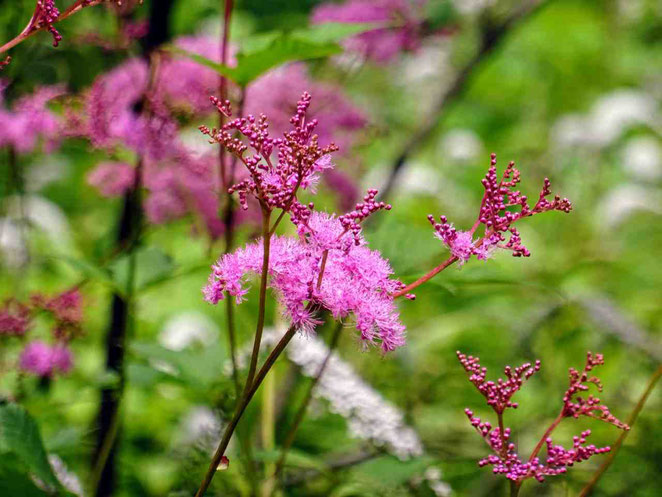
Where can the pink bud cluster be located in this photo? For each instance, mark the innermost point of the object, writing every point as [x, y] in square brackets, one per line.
[500, 196]
[274, 181]
[575, 406]
[44, 360]
[45, 15]
[499, 393]
[505, 459]
[352, 220]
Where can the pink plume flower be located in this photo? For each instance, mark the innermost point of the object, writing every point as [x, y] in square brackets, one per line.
[349, 279]
[401, 20]
[44, 360]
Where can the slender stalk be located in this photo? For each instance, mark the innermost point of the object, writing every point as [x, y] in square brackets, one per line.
[223, 88]
[301, 412]
[545, 436]
[426, 277]
[267, 428]
[617, 445]
[266, 239]
[514, 488]
[241, 407]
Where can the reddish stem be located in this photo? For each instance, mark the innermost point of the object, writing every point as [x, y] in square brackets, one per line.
[545, 436]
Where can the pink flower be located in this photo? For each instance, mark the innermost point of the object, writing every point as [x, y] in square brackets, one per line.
[44, 360]
[400, 19]
[112, 179]
[349, 279]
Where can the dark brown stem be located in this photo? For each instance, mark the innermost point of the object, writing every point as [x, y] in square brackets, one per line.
[617, 445]
[130, 230]
[514, 488]
[241, 407]
[301, 412]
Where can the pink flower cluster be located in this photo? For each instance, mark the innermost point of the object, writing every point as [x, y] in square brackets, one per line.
[497, 216]
[29, 122]
[505, 459]
[323, 266]
[400, 20]
[38, 357]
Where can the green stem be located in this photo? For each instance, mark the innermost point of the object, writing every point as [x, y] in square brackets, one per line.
[616, 447]
[241, 407]
[301, 412]
[266, 238]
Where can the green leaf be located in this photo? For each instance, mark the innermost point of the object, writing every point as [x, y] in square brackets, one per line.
[14, 480]
[266, 51]
[194, 367]
[20, 437]
[152, 266]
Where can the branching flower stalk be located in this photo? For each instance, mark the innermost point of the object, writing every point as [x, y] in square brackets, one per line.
[499, 393]
[46, 15]
[497, 217]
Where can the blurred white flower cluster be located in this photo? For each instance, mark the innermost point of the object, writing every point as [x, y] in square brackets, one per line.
[369, 416]
[629, 121]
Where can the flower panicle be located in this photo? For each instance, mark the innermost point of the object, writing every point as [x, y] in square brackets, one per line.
[274, 181]
[504, 458]
[502, 205]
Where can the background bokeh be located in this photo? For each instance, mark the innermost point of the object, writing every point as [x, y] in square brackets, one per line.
[571, 92]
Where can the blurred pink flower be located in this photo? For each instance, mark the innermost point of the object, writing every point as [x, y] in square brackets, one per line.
[112, 179]
[44, 360]
[401, 20]
[30, 122]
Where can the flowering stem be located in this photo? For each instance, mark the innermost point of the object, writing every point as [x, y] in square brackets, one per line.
[301, 412]
[545, 436]
[241, 407]
[223, 88]
[426, 277]
[615, 448]
[30, 29]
